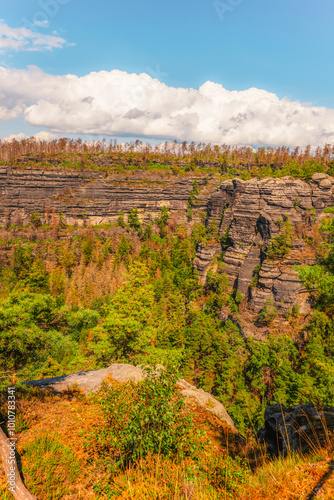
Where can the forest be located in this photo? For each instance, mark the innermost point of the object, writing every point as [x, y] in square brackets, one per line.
[78, 298]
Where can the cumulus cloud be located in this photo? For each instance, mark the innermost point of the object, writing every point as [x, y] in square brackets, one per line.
[118, 103]
[40, 136]
[26, 39]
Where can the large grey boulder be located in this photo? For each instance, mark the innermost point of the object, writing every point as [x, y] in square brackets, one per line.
[299, 428]
[91, 381]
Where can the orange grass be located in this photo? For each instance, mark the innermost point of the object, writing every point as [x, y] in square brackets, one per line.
[64, 422]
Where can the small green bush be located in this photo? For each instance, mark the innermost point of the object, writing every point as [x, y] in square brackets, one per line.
[147, 418]
[35, 219]
[134, 221]
[120, 221]
[281, 244]
[268, 313]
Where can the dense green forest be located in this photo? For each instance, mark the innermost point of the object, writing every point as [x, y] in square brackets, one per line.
[78, 299]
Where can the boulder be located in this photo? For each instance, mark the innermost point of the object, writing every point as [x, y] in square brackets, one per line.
[300, 428]
[91, 381]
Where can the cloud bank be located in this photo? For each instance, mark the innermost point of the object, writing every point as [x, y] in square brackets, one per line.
[118, 103]
[43, 135]
[25, 39]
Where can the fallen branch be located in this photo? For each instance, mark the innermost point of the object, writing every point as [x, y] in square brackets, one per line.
[18, 490]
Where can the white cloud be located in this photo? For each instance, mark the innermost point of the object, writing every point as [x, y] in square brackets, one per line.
[15, 137]
[45, 136]
[40, 136]
[27, 40]
[42, 24]
[118, 103]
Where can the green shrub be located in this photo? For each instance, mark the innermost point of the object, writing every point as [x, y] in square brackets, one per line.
[268, 313]
[134, 221]
[120, 221]
[35, 219]
[281, 244]
[255, 279]
[162, 220]
[147, 418]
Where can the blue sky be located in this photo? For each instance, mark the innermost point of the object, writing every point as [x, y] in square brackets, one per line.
[284, 48]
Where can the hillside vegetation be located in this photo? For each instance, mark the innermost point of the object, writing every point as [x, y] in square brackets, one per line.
[173, 157]
[75, 299]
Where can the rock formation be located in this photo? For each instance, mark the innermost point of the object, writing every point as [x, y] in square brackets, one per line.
[300, 428]
[250, 213]
[95, 195]
[91, 382]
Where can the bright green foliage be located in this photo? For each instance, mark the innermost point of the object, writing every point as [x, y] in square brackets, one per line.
[128, 327]
[159, 312]
[35, 219]
[121, 221]
[281, 244]
[217, 288]
[225, 240]
[302, 171]
[25, 334]
[255, 279]
[161, 222]
[193, 195]
[319, 279]
[147, 233]
[147, 418]
[134, 221]
[268, 313]
[80, 322]
[123, 251]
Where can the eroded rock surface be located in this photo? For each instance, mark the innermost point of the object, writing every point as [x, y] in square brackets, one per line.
[300, 428]
[91, 381]
[251, 213]
[97, 196]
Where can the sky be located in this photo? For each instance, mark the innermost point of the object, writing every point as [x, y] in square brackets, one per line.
[256, 72]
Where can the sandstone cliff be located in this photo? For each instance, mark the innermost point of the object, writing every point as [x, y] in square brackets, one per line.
[95, 195]
[250, 214]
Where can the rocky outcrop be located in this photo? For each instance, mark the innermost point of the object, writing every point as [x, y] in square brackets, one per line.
[300, 428]
[247, 214]
[96, 195]
[204, 256]
[91, 382]
[250, 213]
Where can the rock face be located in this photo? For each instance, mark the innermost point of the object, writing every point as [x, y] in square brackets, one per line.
[252, 212]
[95, 195]
[91, 382]
[300, 428]
[204, 257]
[248, 213]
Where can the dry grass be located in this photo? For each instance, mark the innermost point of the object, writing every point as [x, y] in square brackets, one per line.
[56, 463]
[291, 478]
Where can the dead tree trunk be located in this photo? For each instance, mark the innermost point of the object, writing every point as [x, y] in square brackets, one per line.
[19, 491]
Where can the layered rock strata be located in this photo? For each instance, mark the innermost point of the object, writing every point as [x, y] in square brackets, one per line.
[251, 213]
[247, 213]
[97, 196]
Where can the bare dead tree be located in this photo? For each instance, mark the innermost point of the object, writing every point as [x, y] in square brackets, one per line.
[19, 491]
